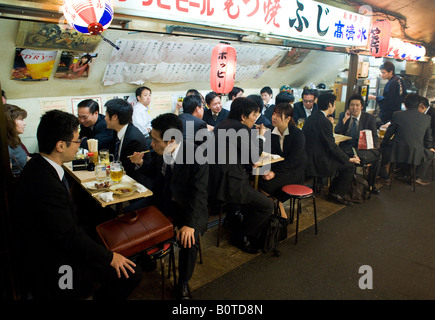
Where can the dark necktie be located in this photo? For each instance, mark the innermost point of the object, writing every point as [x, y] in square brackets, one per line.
[118, 142]
[354, 129]
[215, 116]
[65, 181]
[167, 186]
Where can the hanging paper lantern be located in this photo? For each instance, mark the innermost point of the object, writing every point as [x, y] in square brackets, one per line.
[396, 48]
[223, 68]
[419, 52]
[88, 16]
[379, 38]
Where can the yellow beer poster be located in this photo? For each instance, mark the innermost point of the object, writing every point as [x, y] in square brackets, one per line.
[33, 65]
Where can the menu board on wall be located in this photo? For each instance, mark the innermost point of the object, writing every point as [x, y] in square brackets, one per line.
[140, 61]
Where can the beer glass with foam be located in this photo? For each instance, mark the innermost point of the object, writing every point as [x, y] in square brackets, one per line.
[116, 171]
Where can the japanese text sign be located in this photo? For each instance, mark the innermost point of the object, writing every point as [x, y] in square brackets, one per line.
[300, 19]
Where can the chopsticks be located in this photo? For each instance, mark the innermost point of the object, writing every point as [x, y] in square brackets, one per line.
[141, 152]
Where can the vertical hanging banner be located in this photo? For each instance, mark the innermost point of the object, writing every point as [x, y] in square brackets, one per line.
[222, 68]
[300, 19]
[33, 65]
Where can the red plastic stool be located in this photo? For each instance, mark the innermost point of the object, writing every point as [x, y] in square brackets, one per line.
[299, 192]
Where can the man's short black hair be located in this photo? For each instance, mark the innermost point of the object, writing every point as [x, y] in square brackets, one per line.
[91, 104]
[166, 121]
[425, 102]
[267, 90]
[191, 102]
[242, 107]
[257, 99]
[388, 66]
[325, 99]
[121, 108]
[210, 96]
[412, 101]
[140, 89]
[355, 96]
[55, 125]
[284, 97]
[233, 93]
[308, 91]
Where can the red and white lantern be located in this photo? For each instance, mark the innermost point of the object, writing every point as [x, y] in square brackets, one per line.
[223, 68]
[379, 38]
[88, 16]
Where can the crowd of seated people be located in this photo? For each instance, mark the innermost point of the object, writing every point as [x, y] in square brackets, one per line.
[184, 190]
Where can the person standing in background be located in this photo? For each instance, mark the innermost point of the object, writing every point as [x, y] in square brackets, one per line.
[141, 113]
[394, 93]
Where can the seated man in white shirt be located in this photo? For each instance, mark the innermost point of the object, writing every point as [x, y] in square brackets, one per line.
[141, 116]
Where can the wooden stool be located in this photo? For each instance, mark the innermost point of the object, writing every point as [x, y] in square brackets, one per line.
[299, 192]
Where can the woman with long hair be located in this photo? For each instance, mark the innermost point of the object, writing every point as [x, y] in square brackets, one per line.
[15, 126]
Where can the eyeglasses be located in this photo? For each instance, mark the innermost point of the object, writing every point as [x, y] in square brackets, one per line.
[308, 101]
[79, 141]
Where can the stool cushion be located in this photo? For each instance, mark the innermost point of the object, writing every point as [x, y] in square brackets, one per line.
[136, 231]
[297, 190]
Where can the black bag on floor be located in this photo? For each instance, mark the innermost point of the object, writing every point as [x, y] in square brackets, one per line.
[270, 236]
[359, 191]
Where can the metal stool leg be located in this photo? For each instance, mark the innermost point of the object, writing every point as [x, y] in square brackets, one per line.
[297, 219]
[315, 214]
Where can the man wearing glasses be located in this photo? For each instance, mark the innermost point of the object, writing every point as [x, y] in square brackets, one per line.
[303, 109]
[60, 260]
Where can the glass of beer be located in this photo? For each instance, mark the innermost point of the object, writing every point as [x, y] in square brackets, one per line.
[301, 122]
[116, 171]
[382, 132]
[105, 157]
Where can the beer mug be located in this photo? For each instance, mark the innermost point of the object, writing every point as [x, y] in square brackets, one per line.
[382, 132]
[101, 172]
[116, 171]
[105, 157]
[301, 122]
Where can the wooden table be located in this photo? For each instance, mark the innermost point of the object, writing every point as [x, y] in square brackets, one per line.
[83, 178]
[340, 138]
[262, 162]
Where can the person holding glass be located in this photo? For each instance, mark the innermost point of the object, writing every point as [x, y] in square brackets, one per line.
[304, 108]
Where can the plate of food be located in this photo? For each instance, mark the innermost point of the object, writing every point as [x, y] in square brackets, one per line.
[123, 189]
[96, 186]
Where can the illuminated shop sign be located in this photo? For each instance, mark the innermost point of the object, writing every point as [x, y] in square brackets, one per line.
[299, 19]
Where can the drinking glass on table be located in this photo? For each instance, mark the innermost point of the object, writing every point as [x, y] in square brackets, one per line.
[105, 156]
[101, 172]
[116, 171]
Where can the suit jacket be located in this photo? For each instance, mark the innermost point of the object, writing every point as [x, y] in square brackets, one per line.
[99, 132]
[198, 124]
[269, 112]
[133, 141]
[366, 121]
[412, 138]
[188, 185]
[263, 120]
[295, 157]
[208, 117]
[46, 223]
[230, 177]
[324, 155]
[299, 111]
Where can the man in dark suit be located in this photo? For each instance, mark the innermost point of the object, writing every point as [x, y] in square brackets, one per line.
[191, 117]
[214, 114]
[425, 108]
[408, 138]
[325, 157]
[350, 123]
[230, 173]
[306, 107]
[180, 190]
[93, 125]
[60, 260]
[128, 138]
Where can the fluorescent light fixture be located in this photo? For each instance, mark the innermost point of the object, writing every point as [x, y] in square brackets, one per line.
[201, 31]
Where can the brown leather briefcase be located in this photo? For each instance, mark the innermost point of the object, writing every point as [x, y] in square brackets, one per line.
[136, 231]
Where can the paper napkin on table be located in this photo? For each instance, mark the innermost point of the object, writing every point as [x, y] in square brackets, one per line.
[106, 196]
[140, 187]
